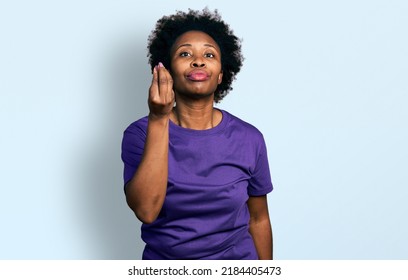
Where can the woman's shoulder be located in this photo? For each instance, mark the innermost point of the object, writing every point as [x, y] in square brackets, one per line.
[236, 122]
[139, 125]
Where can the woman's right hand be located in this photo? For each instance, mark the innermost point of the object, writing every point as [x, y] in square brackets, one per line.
[146, 191]
[161, 94]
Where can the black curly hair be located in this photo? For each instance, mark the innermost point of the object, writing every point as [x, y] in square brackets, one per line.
[169, 28]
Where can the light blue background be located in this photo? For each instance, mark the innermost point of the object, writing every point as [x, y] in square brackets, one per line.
[325, 81]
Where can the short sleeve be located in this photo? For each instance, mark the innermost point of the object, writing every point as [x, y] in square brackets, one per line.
[260, 182]
[133, 143]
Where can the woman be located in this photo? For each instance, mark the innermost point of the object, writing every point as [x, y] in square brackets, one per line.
[196, 176]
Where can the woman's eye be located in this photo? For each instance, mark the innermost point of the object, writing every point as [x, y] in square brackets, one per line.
[184, 54]
[210, 55]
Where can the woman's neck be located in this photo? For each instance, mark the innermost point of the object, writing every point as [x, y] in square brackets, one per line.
[196, 115]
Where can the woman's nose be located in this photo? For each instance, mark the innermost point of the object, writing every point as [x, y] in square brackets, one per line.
[198, 63]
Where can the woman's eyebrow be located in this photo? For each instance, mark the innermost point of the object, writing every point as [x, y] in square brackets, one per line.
[183, 45]
[190, 45]
[209, 45]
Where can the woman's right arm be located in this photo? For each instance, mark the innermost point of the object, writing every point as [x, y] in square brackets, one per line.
[146, 191]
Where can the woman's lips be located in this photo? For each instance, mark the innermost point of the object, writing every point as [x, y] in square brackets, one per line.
[198, 76]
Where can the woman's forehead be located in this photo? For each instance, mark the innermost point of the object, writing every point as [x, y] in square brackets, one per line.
[195, 37]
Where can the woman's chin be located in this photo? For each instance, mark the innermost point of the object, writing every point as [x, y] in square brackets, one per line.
[196, 95]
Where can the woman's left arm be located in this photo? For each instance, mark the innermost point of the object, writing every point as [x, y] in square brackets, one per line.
[260, 226]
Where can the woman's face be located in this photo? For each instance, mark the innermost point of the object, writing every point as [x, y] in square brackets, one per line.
[195, 64]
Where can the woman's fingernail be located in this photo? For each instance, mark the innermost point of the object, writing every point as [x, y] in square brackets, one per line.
[161, 65]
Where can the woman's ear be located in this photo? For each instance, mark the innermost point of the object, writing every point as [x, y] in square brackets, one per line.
[220, 78]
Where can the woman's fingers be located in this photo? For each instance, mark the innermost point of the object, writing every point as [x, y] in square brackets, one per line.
[154, 89]
[165, 83]
[161, 95]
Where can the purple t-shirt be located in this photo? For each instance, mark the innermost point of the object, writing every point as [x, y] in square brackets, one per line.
[211, 175]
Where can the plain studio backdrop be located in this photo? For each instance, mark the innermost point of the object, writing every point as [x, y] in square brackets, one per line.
[325, 82]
